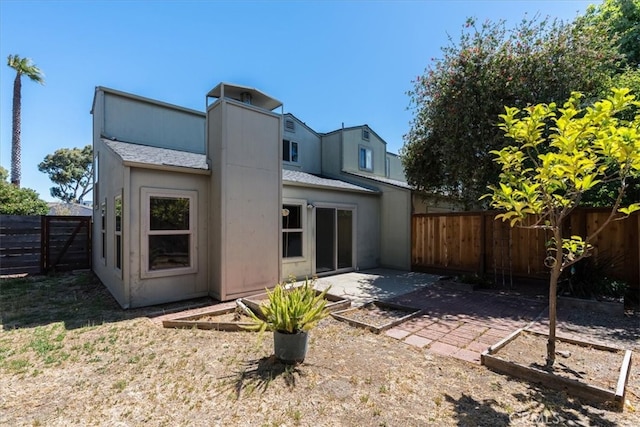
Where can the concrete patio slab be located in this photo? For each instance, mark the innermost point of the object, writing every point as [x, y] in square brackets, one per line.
[377, 284]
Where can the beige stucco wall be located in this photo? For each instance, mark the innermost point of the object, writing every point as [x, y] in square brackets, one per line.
[245, 147]
[367, 226]
[155, 290]
[111, 182]
[396, 171]
[351, 143]
[309, 148]
[331, 152]
[153, 123]
[434, 204]
[395, 244]
[135, 119]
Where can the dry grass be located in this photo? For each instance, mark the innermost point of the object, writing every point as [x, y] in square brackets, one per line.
[70, 356]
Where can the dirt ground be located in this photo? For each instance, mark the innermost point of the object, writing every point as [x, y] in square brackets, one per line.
[70, 356]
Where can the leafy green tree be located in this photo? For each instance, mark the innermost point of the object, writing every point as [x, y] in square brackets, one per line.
[71, 169]
[19, 201]
[621, 19]
[455, 102]
[22, 66]
[546, 176]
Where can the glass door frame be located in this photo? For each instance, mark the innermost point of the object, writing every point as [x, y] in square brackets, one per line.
[354, 232]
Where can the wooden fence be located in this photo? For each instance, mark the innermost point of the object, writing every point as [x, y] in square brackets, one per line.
[474, 242]
[39, 244]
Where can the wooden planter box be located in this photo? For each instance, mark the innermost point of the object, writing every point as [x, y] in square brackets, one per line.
[491, 359]
[359, 317]
[198, 321]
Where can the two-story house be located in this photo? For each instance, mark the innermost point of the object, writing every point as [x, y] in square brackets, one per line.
[232, 200]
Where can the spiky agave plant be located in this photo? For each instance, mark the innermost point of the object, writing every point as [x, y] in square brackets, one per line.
[291, 309]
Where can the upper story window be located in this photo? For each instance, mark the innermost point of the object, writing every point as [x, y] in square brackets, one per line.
[365, 159]
[168, 235]
[365, 134]
[289, 151]
[387, 167]
[289, 125]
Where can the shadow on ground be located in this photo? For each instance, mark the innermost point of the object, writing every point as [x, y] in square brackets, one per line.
[77, 299]
[545, 407]
[257, 375]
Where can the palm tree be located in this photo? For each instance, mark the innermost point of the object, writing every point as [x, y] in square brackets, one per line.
[23, 66]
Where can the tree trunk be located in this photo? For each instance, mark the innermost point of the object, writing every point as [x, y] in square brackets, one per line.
[16, 171]
[553, 297]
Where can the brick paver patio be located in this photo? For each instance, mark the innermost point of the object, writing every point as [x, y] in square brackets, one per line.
[463, 324]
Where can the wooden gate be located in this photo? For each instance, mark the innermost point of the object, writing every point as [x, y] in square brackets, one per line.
[66, 243]
[39, 244]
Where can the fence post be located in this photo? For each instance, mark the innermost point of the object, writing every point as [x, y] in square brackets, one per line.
[482, 268]
[43, 244]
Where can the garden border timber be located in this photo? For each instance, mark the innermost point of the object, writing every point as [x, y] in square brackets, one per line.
[413, 312]
[572, 386]
[191, 321]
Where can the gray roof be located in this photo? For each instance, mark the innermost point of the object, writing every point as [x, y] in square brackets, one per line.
[383, 180]
[75, 209]
[145, 154]
[307, 179]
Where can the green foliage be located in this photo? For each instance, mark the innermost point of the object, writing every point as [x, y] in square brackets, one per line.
[591, 278]
[455, 102]
[621, 19]
[547, 176]
[559, 155]
[292, 309]
[19, 201]
[72, 170]
[22, 67]
[25, 67]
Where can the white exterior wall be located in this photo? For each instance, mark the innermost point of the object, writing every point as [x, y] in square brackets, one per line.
[245, 147]
[309, 148]
[367, 227]
[152, 123]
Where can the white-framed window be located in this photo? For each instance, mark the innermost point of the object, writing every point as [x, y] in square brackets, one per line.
[96, 196]
[289, 151]
[293, 219]
[103, 230]
[387, 167]
[365, 134]
[168, 232]
[117, 231]
[365, 158]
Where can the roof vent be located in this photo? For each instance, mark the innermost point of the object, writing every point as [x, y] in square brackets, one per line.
[289, 125]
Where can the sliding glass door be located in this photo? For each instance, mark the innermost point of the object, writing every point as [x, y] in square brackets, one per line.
[334, 239]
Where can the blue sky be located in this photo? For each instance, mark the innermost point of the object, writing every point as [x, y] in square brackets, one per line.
[329, 62]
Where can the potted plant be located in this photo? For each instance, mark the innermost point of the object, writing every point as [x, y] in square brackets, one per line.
[291, 311]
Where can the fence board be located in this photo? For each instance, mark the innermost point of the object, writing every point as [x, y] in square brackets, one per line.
[474, 242]
[36, 244]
